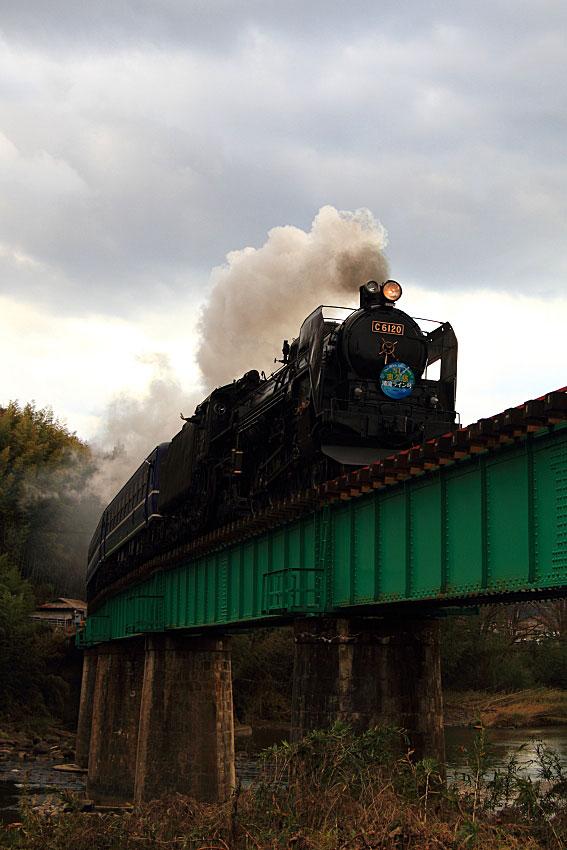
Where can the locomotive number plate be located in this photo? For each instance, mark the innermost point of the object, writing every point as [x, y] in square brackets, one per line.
[387, 328]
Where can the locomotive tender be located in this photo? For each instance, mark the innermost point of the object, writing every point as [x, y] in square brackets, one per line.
[352, 389]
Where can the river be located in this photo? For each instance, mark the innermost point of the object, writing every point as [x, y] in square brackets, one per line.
[39, 777]
[502, 745]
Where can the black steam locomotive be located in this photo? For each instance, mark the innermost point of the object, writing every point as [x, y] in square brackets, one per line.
[352, 389]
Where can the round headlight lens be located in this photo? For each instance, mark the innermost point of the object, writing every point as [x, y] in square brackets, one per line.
[372, 287]
[391, 290]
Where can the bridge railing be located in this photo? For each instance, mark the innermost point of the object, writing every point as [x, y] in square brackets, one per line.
[95, 630]
[489, 525]
[291, 590]
[145, 613]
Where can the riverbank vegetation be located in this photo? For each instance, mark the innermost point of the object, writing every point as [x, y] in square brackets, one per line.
[531, 707]
[44, 503]
[40, 668]
[335, 791]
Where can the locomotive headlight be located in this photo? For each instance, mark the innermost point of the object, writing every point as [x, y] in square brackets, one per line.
[372, 287]
[391, 290]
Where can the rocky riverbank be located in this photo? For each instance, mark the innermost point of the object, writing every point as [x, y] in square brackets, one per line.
[532, 707]
[36, 764]
[52, 743]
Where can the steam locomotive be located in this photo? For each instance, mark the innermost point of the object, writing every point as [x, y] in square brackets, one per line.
[351, 389]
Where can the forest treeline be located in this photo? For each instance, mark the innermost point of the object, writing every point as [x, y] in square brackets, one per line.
[506, 647]
[40, 668]
[46, 520]
[47, 508]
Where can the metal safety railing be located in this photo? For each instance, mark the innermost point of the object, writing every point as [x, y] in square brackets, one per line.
[94, 630]
[145, 613]
[293, 590]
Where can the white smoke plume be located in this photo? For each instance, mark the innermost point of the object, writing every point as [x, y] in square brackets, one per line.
[65, 502]
[262, 296]
[132, 426]
[257, 299]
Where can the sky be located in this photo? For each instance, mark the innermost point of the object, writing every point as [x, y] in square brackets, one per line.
[147, 148]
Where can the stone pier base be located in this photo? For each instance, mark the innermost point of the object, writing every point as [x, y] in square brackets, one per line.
[368, 671]
[186, 732]
[86, 707]
[157, 713]
[114, 732]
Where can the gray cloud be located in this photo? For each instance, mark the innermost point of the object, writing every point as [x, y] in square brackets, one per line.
[131, 426]
[142, 143]
[217, 23]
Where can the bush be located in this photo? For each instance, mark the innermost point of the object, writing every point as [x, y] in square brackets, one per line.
[551, 666]
[27, 651]
[334, 791]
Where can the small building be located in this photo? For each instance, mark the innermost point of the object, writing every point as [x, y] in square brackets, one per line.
[61, 613]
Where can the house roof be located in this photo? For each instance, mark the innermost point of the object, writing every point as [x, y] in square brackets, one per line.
[62, 603]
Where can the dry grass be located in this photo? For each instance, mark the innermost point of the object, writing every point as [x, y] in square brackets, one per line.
[335, 821]
[532, 707]
[332, 791]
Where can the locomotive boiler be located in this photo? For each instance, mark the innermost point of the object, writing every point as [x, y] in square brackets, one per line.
[352, 388]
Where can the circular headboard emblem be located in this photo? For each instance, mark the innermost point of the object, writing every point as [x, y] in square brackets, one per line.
[397, 380]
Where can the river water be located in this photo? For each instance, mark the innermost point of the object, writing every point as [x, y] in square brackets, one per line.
[39, 779]
[503, 744]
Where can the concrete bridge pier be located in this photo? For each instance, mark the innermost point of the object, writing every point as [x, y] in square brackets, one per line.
[157, 715]
[368, 671]
[114, 727]
[84, 723]
[186, 729]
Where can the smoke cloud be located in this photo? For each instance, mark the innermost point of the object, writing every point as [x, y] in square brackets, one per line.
[132, 426]
[257, 299]
[60, 510]
[262, 296]
[64, 503]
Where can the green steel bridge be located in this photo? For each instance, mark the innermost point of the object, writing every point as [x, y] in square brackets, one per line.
[476, 516]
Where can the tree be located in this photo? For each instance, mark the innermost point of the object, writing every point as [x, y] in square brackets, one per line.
[262, 670]
[26, 648]
[47, 513]
[506, 647]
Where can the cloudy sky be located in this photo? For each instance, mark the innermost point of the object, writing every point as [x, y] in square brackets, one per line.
[141, 143]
